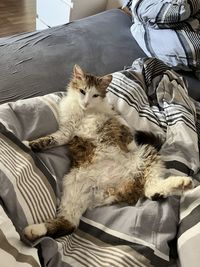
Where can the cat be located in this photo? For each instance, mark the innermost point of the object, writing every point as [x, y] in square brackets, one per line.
[110, 164]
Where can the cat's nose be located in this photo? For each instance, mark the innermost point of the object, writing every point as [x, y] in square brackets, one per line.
[86, 104]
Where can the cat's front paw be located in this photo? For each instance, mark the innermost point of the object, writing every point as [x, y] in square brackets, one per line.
[35, 231]
[35, 146]
[42, 143]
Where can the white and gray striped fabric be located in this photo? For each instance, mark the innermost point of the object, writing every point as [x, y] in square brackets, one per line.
[150, 96]
[128, 4]
[165, 13]
[169, 30]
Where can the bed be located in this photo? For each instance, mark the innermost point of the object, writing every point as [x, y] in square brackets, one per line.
[34, 70]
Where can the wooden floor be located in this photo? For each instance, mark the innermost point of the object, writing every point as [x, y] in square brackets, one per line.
[17, 16]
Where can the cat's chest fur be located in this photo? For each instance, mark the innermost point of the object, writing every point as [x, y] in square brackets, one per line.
[90, 125]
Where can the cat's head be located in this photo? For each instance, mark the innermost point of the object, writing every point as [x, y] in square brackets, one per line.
[90, 89]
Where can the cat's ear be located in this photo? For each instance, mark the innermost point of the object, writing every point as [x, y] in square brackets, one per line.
[78, 72]
[105, 81]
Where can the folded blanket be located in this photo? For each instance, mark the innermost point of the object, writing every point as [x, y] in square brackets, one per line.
[169, 30]
[150, 96]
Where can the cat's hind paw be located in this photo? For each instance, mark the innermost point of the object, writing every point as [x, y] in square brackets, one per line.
[182, 183]
[172, 186]
[35, 231]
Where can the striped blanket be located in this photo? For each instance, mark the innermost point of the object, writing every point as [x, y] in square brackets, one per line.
[150, 96]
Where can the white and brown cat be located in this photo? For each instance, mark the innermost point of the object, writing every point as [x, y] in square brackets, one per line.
[110, 163]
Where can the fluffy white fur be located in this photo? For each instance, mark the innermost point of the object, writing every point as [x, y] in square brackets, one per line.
[84, 187]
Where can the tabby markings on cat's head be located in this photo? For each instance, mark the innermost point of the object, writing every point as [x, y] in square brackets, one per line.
[91, 88]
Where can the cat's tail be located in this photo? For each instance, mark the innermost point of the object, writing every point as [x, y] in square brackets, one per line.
[148, 138]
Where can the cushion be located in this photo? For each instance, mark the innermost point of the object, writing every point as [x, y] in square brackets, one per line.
[29, 189]
[179, 46]
[164, 13]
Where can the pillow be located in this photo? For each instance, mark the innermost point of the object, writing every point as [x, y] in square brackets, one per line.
[29, 190]
[164, 13]
[13, 252]
[179, 46]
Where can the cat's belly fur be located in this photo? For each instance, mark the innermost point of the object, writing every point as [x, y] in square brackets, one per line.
[111, 169]
[99, 138]
[106, 160]
[101, 159]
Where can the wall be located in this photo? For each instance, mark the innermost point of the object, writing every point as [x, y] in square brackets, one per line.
[84, 8]
[114, 3]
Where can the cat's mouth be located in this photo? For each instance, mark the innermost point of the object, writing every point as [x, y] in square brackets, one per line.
[84, 107]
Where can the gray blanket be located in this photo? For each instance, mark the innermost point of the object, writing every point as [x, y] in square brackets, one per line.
[150, 96]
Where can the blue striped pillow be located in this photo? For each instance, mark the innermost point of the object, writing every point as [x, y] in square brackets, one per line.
[162, 33]
[163, 14]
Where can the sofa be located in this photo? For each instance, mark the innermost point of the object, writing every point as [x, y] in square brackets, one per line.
[34, 71]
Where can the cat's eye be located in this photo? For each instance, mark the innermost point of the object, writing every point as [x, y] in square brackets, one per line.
[95, 95]
[82, 91]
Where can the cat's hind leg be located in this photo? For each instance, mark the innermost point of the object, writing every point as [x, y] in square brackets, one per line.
[56, 227]
[174, 185]
[74, 202]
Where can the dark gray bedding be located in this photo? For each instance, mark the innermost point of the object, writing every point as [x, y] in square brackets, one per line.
[41, 62]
